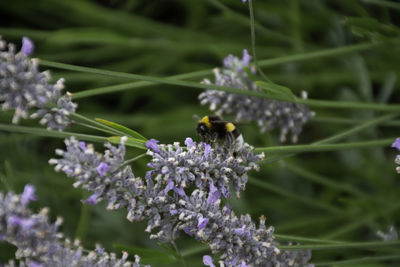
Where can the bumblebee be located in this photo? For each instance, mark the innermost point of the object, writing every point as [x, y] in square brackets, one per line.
[213, 129]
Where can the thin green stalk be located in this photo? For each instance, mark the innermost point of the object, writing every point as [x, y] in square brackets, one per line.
[356, 129]
[325, 147]
[359, 260]
[83, 222]
[306, 239]
[200, 86]
[346, 245]
[194, 250]
[51, 133]
[129, 161]
[296, 197]
[179, 253]
[253, 41]
[338, 120]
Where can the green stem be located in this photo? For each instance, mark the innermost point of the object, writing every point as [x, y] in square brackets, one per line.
[383, 3]
[345, 245]
[327, 147]
[356, 129]
[337, 120]
[179, 253]
[253, 40]
[51, 133]
[97, 125]
[126, 162]
[306, 239]
[83, 222]
[359, 260]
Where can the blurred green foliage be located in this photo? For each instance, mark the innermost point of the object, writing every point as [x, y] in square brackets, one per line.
[357, 192]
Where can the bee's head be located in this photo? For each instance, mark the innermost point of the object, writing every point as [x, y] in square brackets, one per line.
[202, 129]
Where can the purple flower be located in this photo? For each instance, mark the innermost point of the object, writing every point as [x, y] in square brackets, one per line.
[173, 212]
[396, 144]
[92, 200]
[213, 195]
[82, 145]
[189, 142]
[152, 144]
[246, 57]
[35, 264]
[102, 169]
[28, 195]
[169, 186]
[208, 261]
[27, 46]
[202, 222]
[207, 150]
[180, 191]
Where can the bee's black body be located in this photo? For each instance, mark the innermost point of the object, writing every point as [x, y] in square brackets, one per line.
[213, 128]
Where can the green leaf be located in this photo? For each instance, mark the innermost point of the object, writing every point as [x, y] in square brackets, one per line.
[133, 142]
[148, 256]
[125, 130]
[168, 249]
[371, 28]
[276, 91]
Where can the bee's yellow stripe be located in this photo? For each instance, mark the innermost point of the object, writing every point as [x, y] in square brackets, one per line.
[206, 121]
[230, 127]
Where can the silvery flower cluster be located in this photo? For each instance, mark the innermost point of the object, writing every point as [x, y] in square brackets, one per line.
[268, 114]
[23, 87]
[38, 241]
[390, 235]
[201, 165]
[396, 144]
[185, 196]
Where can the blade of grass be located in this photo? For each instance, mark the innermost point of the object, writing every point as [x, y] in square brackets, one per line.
[346, 245]
[306, 239]
[51, 133]
[325, 147]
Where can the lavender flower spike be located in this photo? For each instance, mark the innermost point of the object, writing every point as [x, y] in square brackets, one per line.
[38, 241]
[23, 87]
[166, 200]
[396, 144]
[268, 114]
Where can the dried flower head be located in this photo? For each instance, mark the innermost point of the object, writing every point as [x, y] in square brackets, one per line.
[23, 87]
[38, 241]
[268, 114]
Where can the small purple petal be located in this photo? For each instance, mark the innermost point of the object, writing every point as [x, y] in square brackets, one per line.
[396, 144]
[208, 261]
[100, 250]
[207, 150]
[149, 174]
[240, 231]
[180, 191]
[213, 195]
[187, 230]
[27, 224]
[28, 194]
[189, 142]
[173, 212]
[14, 220]
[27, 46]
[152, 144]
[169, 186]
[246, 58]
[35, 264]
[202, 222]
[180, 169]
[78, 254]
[244, 264]
[92, 200]
[244, 1]
[102, 169]
[82, 145]
[164, 170]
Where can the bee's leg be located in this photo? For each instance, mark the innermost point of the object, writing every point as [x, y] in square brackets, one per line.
[231, 143]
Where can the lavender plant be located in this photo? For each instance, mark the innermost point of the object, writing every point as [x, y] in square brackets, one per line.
[23, 88]
[268, 114]
[40, 244]
[165, 198]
